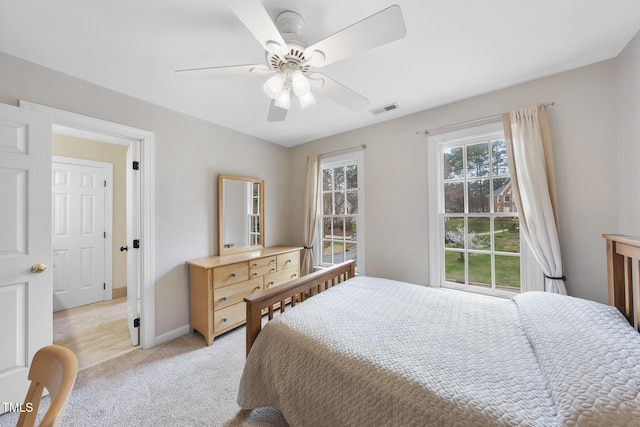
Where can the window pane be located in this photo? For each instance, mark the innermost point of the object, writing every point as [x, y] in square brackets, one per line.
[339, 201]
[506, 234]
[480, 269]
[338, 227]
[503, 195]
[454, 233]
[338, 252]
[499, 158]
[454, 266]
[338, 176]
[327, 180]
[352, 176]
[327, 252]
[327, 204]
[326, 228]
[454, 197]
[508, 272]
[480, 233]
[350, 228]
[479, 196]
[352, 202]
[453, 166]
[478, 160]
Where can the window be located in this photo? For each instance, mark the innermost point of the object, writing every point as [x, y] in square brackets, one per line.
[341, 222]
[475, 230]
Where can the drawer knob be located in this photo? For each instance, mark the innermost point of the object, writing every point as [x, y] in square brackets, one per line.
[254, 265]
[254, 274]
[272, 261]
[270, 283]
[233, 274]
[257, 287]
[288, 261]
[224, 319]
[272, 270]
[224, 298]
[294, 275]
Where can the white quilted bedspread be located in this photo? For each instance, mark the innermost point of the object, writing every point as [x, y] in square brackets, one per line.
[375, 352]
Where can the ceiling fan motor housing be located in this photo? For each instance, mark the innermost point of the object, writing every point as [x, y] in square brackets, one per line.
[291, 27]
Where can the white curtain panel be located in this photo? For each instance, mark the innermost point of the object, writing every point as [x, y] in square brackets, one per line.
[310, 212]
[531, 164]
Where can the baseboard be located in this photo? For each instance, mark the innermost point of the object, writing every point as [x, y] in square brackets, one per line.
[172, 335]
[119, 292]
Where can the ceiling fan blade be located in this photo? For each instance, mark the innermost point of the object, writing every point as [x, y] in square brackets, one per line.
[254, 16]
[341, 94]
[276, 114]
[376, 30]
[227, 71]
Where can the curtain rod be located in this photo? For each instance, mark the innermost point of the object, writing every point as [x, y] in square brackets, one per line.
[427, 131]
[355, 147]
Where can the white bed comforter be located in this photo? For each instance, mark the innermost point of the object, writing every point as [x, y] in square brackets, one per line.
[375, 352]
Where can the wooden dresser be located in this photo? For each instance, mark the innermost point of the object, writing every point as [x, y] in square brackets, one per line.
[218, 284]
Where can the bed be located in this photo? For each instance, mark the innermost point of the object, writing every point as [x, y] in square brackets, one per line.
[347, 350]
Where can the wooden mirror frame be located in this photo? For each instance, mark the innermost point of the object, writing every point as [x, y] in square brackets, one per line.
[224, 250]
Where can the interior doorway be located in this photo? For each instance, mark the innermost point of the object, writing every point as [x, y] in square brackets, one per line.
[141, 217]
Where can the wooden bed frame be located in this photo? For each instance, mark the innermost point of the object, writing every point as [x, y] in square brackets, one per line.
[291, 293]
[623, 257]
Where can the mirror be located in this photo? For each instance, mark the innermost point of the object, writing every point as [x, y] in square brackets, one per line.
[240, 213]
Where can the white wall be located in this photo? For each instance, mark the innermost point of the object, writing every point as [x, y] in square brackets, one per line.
[628, 78]
[584, 130]
[189, 155]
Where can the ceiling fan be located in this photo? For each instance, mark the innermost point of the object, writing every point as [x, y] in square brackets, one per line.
[292, 62]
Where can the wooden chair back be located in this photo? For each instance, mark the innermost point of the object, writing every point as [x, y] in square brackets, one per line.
[55, 368]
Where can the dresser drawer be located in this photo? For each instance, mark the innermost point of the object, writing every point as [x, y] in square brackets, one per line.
[234, 294]
[280, 277]
[229, 274]
[229, 317]
[262, 262]
[261, 271]
[288, 260]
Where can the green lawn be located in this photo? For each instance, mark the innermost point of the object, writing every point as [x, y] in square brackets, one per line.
[507, 269]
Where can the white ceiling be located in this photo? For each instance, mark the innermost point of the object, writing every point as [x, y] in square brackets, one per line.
[454, 49]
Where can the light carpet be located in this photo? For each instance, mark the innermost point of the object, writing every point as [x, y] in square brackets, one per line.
[179, 383]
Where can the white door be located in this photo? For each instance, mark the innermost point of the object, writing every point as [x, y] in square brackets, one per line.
[78, 235]
[133, 254]
[26, 322]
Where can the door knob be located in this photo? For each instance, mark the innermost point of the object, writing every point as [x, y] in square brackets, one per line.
[124, 248]
[38, 268]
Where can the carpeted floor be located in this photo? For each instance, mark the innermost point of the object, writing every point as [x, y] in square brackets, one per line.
[179, 383]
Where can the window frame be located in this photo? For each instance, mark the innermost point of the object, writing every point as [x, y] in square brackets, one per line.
[531, 277]
[357, 158]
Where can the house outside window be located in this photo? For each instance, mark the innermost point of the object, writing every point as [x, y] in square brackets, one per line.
[475, 240]
[341, 223]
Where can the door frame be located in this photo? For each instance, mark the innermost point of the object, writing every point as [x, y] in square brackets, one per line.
[107, 293]
[125, 135]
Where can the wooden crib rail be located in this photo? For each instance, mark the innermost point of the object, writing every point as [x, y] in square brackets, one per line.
[295, 291]
[623, 257]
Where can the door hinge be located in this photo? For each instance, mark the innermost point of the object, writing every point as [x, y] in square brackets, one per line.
[136, 244]
[105, 182]
[104, 286]
[105, 234]
[136, 165]
[136, 323]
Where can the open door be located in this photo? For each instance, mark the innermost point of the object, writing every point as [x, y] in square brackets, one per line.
[133, 252]
[26, 279]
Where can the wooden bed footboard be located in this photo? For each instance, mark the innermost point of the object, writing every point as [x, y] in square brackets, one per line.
[623, 258]
[292, 293]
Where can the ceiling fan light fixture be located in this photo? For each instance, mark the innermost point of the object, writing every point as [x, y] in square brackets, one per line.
[284, 99]
[306, 100]
[300, 83]
[273, 87]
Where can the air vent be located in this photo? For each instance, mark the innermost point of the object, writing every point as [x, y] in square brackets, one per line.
[384, 109]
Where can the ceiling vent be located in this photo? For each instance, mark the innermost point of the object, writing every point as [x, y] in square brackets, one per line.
[384, 109]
